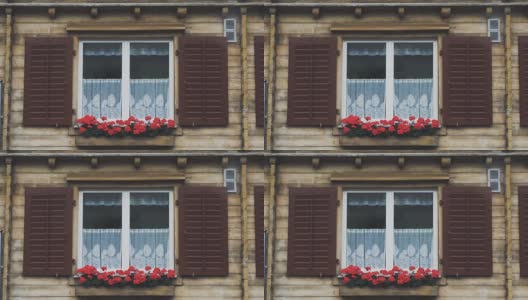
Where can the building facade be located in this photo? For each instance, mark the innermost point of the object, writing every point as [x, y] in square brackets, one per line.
[261, 93]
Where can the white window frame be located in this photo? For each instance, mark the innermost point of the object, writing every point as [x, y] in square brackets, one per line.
[234, 180]
[497, 30]
[233, 30]
[125, 75]
[125, 224]
[389, 225]
[389, 74]
[498, 180]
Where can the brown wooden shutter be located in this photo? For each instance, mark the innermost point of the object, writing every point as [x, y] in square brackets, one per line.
[203, 79]
[259, 230]
[312, 81]
[259, 80]
[523, 80]
[48, 231]
[312, 231]
[467, 231]
[467, 81]
[203, 231]
[48, 81]
[523, 229]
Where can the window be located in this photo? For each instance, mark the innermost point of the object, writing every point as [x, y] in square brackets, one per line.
[393, 228]
[494, 30]
[120, 229]
[386, 79]
[230, 30]
[494, 180]
[230, 181]
[122, 79]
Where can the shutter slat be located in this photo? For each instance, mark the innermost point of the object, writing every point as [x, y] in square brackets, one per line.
[523, 80]
[203, 231]
[312, 231]
[203, 85]
[467, 231]
[259, 229]
[467, 97]
[259, 80]
[312, 81]
[523, 230]
[48, 81]
[48, 231]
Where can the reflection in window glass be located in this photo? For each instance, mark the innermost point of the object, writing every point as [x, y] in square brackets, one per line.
[413, 229]
[101, 233]
[365, 84]
[365, 232]
[149, 229]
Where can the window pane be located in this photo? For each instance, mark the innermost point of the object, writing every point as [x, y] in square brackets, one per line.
[102, 230]
[149, 229]
[102, 79]
[366, 229]
[149, 80]
[413, 229]
[413, 80]
[366, 79]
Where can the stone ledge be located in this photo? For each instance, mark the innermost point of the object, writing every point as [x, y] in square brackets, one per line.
[426, 141]
[158, 291]
[422, 291]
[127, 142]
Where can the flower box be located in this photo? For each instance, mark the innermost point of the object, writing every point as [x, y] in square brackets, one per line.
[126, 141]
[127, 291]
[421, 291]
[424, 141]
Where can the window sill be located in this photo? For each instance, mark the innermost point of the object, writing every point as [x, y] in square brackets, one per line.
[128, 141]
[426, 141]
[422, 291]
[158, 291]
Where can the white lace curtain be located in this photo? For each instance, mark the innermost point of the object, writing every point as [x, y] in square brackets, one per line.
[366, 247]
[102, 97]
[366, 97]
[149, 97]
[413, 247]
[413, 97]
[102, 247]
[149, 247]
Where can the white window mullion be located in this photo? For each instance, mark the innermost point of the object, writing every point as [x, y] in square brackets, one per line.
[435, 81]
[80, 228]
[80, 112]
[435, 231]
[389, 232]
[389, 81]
[125, 81]
[125, 231]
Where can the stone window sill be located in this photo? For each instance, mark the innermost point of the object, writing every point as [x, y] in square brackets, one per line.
[426, 141]
[128, 141]
[158, 291]
[422, 291]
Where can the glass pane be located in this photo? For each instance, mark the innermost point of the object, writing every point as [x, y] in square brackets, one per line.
[413, 80]
[230, 24]
[493, 24]
[102, 230]
[149, 229]
[494, 174]
[102, 80]
[366, 230]
[149, 80]
[413, 229]
[494, 35]
[230, 174]
[366, 80]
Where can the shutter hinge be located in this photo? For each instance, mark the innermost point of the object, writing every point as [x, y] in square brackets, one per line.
[177, 202]
[74, 52]
[338, 52]
[338, 203]
[441, 53]
[177, 52]
[441, 261]
[337, 261]
[441, 202]
[73, 261]
[177, 261]
[74, 203]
